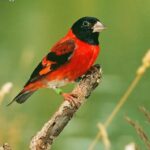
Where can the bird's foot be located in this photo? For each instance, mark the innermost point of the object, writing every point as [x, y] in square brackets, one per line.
[71, 98]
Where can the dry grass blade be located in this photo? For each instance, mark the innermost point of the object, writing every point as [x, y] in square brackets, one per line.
[140, 132]
[146, 113]
[104, 136]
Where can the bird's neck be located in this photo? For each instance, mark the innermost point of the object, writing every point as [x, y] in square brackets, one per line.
[70, 34]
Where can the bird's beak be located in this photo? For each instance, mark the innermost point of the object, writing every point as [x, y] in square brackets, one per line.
[98, 27]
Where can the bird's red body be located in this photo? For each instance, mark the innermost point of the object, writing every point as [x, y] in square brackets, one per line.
[82, 59]
[68, 59]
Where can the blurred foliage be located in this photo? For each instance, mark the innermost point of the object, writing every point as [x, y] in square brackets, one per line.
[29, 28]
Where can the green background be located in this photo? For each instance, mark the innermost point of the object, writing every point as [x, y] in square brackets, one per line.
[27, 31]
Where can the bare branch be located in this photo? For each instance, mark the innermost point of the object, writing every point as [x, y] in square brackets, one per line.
[43, 140]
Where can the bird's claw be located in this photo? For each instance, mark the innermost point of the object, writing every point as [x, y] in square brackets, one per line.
[71, 98]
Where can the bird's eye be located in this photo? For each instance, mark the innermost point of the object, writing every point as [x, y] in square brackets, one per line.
[86, 24]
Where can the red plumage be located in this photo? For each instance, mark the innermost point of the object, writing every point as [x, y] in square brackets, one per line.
[82, 59]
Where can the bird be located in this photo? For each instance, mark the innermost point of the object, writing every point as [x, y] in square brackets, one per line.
[69, 59]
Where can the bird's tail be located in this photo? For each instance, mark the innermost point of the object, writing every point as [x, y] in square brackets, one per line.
[22, 96]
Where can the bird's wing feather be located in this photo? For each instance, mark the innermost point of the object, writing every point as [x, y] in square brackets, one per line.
[59, 55]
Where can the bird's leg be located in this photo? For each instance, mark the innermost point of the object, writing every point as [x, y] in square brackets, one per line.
[58, 91]
[67, 96]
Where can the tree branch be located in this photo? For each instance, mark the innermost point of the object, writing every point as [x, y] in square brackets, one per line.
[43, 140]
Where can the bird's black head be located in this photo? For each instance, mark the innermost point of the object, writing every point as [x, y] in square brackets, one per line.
[87, 29]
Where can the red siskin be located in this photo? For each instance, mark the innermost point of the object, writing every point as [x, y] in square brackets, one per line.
[68, 59]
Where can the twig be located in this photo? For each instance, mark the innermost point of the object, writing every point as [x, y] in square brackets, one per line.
[43, 140]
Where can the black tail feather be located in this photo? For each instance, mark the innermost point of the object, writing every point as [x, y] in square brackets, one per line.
[22, 97]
